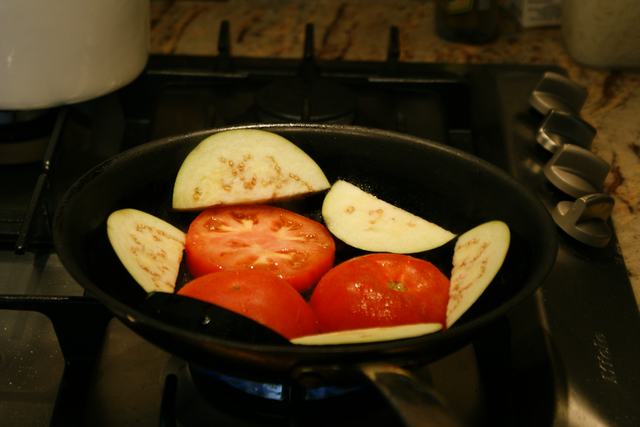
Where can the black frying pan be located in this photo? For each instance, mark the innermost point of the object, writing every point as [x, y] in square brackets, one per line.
[451, 188]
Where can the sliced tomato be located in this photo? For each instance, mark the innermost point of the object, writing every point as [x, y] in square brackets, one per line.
[258, 295]
[258, 237]
[380, 290]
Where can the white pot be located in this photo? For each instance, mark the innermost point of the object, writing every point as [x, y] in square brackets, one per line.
[67, 51]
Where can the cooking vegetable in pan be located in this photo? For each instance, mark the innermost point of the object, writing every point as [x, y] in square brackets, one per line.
[149, 248]
[260, 249]
[380, 290]
[259, 237]
[478, 256]
[362, 220]
[259, 295]
[245, 166]
[365, 335]
[382, 163]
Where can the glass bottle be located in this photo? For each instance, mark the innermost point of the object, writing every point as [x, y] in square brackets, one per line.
[467, 21]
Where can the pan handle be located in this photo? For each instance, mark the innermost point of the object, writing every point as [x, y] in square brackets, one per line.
[416, 402]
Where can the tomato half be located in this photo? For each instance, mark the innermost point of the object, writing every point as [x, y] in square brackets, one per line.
[259, 295]
[380, 290]
[259, 237]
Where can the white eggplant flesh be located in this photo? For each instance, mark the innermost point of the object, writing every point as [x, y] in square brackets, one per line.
[149, 248]
[478, 256]
[366, 335]
[366, 222]
[245, 166]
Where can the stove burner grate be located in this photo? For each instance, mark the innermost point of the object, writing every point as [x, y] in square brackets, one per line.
[299, 100]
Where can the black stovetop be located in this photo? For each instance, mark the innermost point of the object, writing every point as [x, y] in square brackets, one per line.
[568, 355]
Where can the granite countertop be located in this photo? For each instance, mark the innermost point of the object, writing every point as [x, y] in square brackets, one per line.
[358, 30]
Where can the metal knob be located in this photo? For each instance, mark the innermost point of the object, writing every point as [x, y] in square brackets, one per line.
[576, 170]
[557, 92]
[560, 128]
[586, 218]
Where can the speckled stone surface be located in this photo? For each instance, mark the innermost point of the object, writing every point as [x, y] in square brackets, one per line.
[358, 30]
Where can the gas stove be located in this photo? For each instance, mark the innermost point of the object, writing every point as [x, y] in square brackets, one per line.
[566, 356]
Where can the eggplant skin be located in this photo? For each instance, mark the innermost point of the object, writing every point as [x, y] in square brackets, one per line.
[359, 336]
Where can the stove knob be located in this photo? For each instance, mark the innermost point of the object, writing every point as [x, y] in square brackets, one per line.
[557, 92]
[586, 218]
[576, 170]
[560, 128]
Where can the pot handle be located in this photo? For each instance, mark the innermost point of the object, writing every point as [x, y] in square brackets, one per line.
[416, 402]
